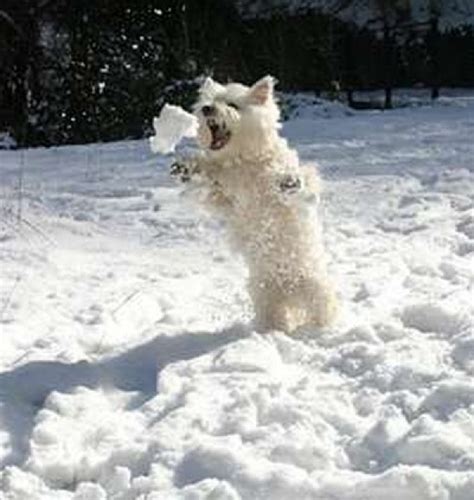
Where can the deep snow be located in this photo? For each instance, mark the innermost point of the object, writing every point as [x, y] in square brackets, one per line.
[128, 369]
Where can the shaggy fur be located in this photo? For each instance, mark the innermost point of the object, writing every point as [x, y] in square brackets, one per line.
[256, 182]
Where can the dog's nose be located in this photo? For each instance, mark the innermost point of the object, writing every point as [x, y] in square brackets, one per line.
[207, 110]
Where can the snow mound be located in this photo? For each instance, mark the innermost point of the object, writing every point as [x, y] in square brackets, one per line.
[307, 106]
[78, 436]
[129, 369]
[434, 318]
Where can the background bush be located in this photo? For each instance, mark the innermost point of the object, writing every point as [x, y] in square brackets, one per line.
[74, 71]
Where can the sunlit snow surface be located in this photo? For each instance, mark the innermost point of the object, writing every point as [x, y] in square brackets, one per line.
[129, 369]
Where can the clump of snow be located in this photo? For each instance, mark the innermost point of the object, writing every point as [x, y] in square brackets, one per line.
[173, 124]
[78, 436]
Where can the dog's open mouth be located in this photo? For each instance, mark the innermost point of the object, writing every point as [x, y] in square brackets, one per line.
[220, 134]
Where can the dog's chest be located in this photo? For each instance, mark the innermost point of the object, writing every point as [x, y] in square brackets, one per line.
[247, 187]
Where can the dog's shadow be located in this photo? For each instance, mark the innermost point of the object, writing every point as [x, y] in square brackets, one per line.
[24, 389]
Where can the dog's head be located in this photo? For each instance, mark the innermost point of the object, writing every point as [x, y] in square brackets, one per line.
[234, 118]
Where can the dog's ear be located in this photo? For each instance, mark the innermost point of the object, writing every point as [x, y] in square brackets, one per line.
[209, 88]
[262, 91]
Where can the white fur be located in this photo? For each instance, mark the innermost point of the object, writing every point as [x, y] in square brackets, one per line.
[275, 230]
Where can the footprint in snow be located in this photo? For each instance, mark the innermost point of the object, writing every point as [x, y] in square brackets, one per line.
[90, 316]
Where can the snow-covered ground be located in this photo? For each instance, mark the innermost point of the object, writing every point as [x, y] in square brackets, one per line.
[128, 369]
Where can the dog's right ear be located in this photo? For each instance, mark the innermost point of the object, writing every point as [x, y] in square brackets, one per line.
[209, 89]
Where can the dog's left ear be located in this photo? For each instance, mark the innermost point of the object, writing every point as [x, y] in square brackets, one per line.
[209, 88]
[262, 91]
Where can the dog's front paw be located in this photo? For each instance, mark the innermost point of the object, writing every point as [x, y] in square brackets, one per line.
[290, 184]
[181, 170]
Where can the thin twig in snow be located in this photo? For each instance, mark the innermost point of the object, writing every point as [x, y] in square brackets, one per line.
[20, 188]
[9, 298]
[127, 299]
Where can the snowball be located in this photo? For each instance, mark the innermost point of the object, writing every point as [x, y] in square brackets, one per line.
[171, 127]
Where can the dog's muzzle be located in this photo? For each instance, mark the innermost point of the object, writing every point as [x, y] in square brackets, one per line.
[219, 132]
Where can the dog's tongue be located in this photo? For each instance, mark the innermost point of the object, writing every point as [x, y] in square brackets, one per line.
[217, 141]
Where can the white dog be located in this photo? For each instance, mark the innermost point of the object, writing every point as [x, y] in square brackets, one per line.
[256, 182]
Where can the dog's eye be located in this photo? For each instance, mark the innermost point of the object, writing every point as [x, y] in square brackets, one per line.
[233, 105]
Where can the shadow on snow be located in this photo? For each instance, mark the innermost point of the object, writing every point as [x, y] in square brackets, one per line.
[24, 389]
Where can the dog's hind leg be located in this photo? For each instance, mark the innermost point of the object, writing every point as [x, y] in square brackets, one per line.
[318, 301]
[270, 307]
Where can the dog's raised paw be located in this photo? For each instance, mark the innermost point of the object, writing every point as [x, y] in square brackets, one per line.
[180, 170]
[290, 184]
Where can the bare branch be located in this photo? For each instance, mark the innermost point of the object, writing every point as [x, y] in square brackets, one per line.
[8, 19]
